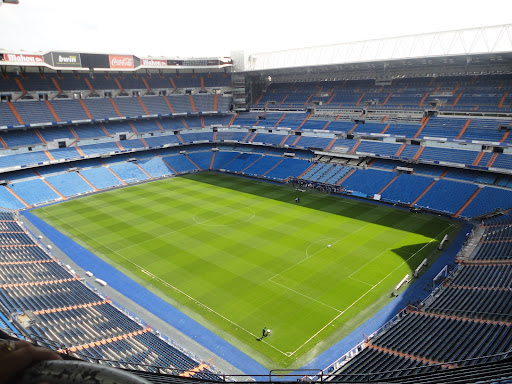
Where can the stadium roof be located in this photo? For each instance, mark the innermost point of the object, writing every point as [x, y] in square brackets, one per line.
[484, 45]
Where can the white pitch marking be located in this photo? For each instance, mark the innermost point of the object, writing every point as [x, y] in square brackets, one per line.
[185, 227]
[360, 281]
[307, 297]
[316, 253]
[368, 262]
[371, 289]
[223, 214]
[288, 354]
[171, 286]
[321, 249]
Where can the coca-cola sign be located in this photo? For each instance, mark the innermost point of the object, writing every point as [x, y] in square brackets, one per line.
[154, 63]
[21, 58]
[121, 62]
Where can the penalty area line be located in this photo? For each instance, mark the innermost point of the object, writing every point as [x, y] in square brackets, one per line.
[308, 256]
[307, 297]
[360, 281]
[371, 289]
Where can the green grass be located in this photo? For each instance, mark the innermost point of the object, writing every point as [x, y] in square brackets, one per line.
[237, 255]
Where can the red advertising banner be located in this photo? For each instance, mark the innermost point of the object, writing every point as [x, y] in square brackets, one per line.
[121, 62]
[154, 63]
[21, 58]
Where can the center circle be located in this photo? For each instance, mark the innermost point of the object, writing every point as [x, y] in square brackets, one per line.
[320, 245]
[225, 217]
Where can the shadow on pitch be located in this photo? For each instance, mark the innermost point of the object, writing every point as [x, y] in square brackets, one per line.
[346, 206]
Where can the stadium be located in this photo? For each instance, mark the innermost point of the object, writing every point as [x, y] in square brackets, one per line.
[351, 200]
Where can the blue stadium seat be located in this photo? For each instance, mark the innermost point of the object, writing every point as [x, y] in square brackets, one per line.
[128, 172]
[201, 159]
[222, 158]
[7, 118]
[69, 184]
[34, 191]
[23, 159]
[21, 138]
[180, 164]
[378, 148]
[263, 165]
[367, 182]
[446, 196]
[486, 198]
[32, 112]
[157, 141]
[69, 110]
[406, 189]
[155, 167]
[100, 108]
[9, 201]
[101, 177]
[101, 148]
[289, 167]
[243, 161]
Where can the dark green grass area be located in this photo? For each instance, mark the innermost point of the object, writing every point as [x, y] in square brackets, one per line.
[237, 255]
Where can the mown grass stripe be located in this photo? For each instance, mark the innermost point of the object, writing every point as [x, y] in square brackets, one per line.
[245, 252]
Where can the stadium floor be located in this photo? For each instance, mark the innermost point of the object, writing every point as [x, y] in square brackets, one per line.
[214, 343]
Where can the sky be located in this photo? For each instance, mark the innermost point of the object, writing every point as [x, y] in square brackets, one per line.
[201, 28]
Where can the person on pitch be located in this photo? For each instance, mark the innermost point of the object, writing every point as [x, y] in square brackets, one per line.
[263, 334]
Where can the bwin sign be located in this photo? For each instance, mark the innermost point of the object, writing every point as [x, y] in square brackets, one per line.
[66, 59]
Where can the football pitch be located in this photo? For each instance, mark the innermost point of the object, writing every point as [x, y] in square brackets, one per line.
[238, 255]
